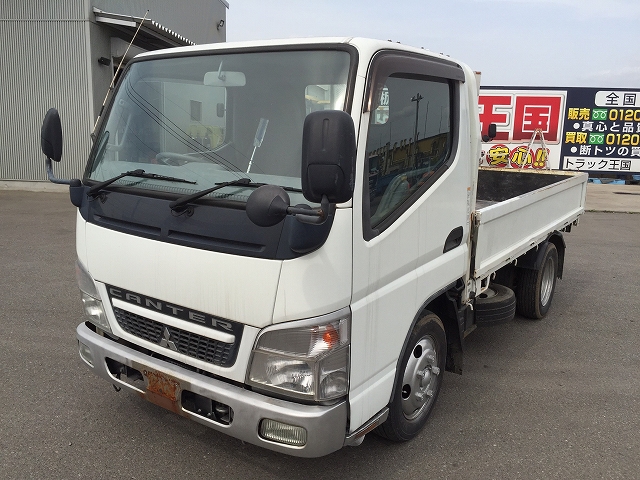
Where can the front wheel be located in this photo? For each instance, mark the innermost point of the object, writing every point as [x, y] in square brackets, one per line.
[536, 287]
[418, 380]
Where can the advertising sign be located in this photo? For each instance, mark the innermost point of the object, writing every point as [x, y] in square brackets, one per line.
[587, 129]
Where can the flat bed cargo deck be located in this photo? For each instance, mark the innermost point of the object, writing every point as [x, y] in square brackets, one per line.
[517, 209]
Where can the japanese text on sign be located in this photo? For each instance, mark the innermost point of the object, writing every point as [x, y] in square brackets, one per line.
[609, 98]
[518, 116]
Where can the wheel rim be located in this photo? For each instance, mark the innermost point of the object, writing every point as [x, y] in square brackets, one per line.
[488, 293]
[420, 379]
[546, 286]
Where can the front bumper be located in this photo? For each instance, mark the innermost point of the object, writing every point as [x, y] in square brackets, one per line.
[325, 425]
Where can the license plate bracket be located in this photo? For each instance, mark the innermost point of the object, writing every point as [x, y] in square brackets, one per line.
[162, 389]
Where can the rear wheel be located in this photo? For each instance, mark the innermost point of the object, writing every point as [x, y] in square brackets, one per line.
[418, 380]
[536, 287]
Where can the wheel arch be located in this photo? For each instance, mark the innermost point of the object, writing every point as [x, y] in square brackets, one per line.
[533, 258]
[558, 240]
[442, 303]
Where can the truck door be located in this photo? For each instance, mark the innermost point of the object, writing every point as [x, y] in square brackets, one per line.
[412, 201]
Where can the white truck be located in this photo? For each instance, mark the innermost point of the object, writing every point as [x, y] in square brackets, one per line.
[288, 241]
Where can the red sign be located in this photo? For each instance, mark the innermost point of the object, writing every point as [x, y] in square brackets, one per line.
[496, 109]
[518, 116]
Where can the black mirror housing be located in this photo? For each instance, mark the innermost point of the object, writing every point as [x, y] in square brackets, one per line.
[267, 205]
[492, 131]
[51, 135]
[328, 156]
[51, 144]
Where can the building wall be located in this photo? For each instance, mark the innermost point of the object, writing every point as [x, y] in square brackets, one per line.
[58, 10]
[101, 75]
[43, 64]
[193, 19]
[49, 59]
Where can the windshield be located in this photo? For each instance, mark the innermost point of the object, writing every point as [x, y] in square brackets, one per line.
[217, 118]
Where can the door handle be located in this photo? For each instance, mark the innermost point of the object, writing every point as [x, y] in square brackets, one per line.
[453, 240]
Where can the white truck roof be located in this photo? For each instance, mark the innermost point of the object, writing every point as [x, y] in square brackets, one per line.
[365, 46]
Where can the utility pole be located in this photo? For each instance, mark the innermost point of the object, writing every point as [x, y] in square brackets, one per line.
[416, 98]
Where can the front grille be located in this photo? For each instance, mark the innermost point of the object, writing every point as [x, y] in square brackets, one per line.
[187, 343]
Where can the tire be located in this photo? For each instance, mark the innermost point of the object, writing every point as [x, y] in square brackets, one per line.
[418, 380]
[495, 305]
[506, 276]
[536, 287]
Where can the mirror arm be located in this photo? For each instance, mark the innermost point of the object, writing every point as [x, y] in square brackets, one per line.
[52, 177]
[305, 215]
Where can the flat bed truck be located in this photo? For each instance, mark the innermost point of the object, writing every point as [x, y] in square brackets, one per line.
[288, 241]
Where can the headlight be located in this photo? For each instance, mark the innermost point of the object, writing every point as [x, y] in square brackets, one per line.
[310, 361]
[91, 303]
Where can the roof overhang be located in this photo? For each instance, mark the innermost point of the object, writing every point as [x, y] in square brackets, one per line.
[151, 32]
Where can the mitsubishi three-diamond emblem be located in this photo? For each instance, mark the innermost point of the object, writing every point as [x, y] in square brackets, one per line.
[166, 341]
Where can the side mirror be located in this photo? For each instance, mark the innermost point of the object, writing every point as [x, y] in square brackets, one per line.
[51, 135]
[267, 205]
[51, 144]
[492, 131]
[328, 156]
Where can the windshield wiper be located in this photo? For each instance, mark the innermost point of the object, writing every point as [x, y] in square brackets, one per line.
[93, 191]
[177, 205]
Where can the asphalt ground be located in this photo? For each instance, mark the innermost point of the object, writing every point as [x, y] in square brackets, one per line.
[613, 198]
[557, 398]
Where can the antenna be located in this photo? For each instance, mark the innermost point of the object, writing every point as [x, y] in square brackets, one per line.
[116, 73]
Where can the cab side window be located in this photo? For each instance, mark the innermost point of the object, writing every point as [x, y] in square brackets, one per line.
[409, 141]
